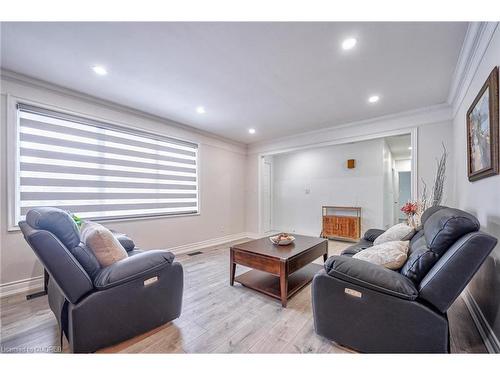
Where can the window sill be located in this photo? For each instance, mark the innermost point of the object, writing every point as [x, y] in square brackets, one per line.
[125, 219]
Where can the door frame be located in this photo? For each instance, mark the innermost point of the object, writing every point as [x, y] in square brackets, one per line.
[260, 198]
[271, 196]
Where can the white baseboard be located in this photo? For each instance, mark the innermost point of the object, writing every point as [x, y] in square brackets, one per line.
[36, 283]
[183, 249]
[21, 286]
[489, 338]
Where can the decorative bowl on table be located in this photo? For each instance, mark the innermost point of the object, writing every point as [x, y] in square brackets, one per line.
[282, 239]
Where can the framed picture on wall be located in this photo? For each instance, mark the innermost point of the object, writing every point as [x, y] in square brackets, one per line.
[483, 132]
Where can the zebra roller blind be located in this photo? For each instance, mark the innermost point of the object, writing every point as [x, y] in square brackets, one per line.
[100, 171]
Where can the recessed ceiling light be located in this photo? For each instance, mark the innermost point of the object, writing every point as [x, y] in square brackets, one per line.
[410, 148]
[100, 70]
[251, 131]
[200, 110]
[373, 99]
[349, 43]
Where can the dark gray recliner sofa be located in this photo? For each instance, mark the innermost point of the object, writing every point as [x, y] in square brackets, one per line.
[98, 307]
[372, 309]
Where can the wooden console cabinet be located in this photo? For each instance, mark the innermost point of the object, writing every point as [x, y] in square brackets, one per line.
[341, 223]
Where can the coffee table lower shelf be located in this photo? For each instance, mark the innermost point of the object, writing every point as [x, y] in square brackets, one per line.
[270, 284]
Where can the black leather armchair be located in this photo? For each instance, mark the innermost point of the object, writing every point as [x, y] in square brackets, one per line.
[97, 307]
[373, 309]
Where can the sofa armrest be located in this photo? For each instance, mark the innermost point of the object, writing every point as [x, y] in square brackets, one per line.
[372, 234]
[127, 243]
[132, 268]
[371, 276]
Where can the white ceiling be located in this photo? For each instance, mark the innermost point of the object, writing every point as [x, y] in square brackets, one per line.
[279, 78]
[399, 146]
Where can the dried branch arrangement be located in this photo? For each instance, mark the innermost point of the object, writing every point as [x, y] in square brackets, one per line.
[414, 210]
[437, 191]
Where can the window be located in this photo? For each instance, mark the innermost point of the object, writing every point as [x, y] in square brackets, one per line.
[100, 171]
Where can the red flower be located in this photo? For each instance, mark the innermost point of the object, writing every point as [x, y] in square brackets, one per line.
[410, 208]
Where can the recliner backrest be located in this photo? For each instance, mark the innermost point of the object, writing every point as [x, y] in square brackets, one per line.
[55, 239]
[61, 224]
[429, 212]
[446, 226]
[56, 221]
[420, 230]
[440, 231]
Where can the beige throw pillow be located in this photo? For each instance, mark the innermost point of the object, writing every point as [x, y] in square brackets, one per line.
[392, 254]
[106, 248]
[398, 232]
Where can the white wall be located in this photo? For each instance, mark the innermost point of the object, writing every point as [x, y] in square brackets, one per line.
[305, 180]
[222, 183]
[481, 198]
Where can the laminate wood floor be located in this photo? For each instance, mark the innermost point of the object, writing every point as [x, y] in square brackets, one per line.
[216, 318]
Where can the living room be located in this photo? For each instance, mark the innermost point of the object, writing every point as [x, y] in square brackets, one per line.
[249, 187]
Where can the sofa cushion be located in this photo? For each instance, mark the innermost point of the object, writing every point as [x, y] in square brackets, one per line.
[132, 268]
[106, 248]
[357, 247]
[429, 212]
[420, 260]
[390, 254]
[127, 243]
[56, 221]
[416, 236]
[86, 258]
[443, 228]
[398, 232]
[370, 276]
[131, 253]
[372, 234]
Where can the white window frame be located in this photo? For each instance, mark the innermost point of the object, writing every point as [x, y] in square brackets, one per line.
[13, 166]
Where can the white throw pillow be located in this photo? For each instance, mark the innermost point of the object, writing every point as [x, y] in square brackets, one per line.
[106, 248]
[398, 232]
[392, 254]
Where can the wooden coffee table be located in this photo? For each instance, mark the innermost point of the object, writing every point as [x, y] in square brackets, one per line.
[278, 271]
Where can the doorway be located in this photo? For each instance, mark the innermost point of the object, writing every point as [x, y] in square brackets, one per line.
[400, 148]
[295, 183]
[404, 192]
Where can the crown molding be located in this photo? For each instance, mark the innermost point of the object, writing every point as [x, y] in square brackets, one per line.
[476, 42]
[22, 79]
[353, 130]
